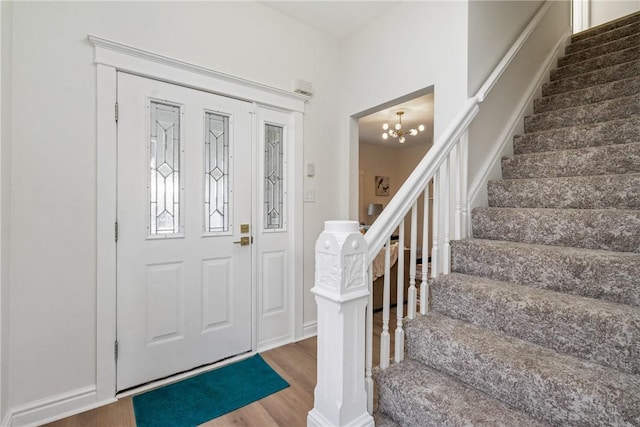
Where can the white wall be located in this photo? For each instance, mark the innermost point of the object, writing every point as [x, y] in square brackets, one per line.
[493, 26]
[377, 160]
[601, 11]
[5, 195]
[413, 46]
[53, 265]
[490, 128]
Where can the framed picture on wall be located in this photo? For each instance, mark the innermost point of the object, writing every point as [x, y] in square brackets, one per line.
[382, 185]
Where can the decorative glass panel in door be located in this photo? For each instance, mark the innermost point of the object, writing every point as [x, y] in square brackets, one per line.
[216, 173]
[273, 177]
[165, 154]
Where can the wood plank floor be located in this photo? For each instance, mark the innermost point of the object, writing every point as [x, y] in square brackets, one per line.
[295, 362]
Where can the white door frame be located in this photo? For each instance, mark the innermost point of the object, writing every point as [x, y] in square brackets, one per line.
[111, 57]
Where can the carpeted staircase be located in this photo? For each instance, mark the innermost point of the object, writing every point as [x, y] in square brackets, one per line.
[539, 321]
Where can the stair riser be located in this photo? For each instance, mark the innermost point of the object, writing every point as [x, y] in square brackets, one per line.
[606, 27]
[605, 333]
[381, 420]
[600, 62]
[600, 134]
[609, 36]
[604, 49]
[590, 229]
[605, 75]
[590, 95]
[527, 377]
[620, 108]
[608, 160]
[609, 276]
[607, 192]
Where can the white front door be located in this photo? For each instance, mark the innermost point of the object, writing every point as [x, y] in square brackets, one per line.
[183, 205]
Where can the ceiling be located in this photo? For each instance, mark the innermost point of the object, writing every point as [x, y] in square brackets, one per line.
[416, 111]
[339, 19]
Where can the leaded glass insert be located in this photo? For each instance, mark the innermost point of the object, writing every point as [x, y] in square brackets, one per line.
[164, 169]
[273, 177]
[216, 173]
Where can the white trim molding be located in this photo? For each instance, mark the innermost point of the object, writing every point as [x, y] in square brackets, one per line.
[159, 67]
[309, 330]
[54, 408]
[110, 58]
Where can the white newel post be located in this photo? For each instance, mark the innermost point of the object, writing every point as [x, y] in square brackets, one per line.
[342, 293]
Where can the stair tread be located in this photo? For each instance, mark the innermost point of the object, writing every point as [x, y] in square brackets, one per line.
[605, 37]
[607, 26]
[584, 161]
[599, 50]
[587, 96]
[611, 229]
[618, 57]
[597, 330]
[603, 111]
[600, 76]
[574, 192]
[620, 131]
[594, 273]
[422, 396]
[549, 385]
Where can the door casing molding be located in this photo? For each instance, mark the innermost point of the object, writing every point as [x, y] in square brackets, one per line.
[111, 57]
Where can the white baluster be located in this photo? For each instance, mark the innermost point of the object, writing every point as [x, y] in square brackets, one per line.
[341, 292]
[411, 307]
[399, 340]
[457, 230]
[369, 344]
[464, 153]
[446, 213]
[435, 269]
[424, 285]
[385, 345]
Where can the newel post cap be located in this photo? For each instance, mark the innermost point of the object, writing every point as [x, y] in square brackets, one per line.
[341, 269]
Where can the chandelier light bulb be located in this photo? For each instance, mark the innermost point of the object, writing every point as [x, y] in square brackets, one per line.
[395, 130]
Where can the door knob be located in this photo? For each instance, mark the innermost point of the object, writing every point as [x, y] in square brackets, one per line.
[244, 241]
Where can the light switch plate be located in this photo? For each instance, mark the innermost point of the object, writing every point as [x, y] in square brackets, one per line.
[309, 195]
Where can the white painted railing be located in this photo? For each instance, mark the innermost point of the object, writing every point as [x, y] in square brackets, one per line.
[446, 166]
[340, 279]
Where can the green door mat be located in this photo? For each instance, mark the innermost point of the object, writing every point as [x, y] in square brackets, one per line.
[207, 396]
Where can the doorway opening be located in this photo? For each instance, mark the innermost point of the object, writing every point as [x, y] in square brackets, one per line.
[392, 139]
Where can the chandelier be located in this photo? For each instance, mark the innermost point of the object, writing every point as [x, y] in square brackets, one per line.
[397, 131]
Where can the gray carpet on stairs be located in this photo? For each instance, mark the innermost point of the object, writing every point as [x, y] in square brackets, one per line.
[590, 95]
[620, 131]
[590, 161]
[539, 321]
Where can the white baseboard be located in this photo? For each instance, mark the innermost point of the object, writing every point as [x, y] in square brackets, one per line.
[493, 161]
[54, 408]
[309, 329]
[6, 421]
[275, 342]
